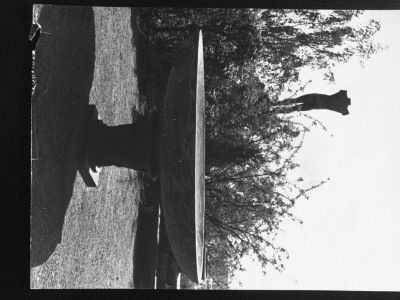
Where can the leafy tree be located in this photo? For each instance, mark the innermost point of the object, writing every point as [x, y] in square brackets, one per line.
[251, 57]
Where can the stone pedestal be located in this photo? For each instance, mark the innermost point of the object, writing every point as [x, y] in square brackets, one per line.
[89, 175]
[133, 146]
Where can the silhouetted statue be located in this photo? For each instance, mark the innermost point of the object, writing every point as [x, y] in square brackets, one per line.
[337, 102]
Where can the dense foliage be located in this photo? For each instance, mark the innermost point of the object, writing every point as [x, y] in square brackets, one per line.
[251, 57]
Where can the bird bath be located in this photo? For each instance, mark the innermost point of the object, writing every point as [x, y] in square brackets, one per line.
[171, 144]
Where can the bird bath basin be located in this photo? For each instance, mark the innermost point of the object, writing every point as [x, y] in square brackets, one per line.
[171, 144]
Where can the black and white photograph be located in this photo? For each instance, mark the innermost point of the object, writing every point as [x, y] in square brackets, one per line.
[210, 148]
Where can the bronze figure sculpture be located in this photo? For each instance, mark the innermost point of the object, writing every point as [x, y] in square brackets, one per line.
[338, 102]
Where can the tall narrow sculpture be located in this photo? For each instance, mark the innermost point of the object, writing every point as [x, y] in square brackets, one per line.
[338, 102]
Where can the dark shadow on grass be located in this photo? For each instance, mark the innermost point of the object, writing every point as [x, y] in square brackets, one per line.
[152, 72]
[64, 66]
[146, 224]
[145, 246]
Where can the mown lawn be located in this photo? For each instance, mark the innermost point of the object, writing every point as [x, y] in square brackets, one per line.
[84, 56]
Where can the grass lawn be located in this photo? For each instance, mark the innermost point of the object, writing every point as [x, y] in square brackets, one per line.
[84, 56]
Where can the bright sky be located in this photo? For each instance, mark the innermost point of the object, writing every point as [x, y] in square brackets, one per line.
[350, 239]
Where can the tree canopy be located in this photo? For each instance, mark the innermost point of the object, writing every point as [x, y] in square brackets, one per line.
[252, 56]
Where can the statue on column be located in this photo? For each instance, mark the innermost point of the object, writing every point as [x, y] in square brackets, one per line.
[338, 102]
